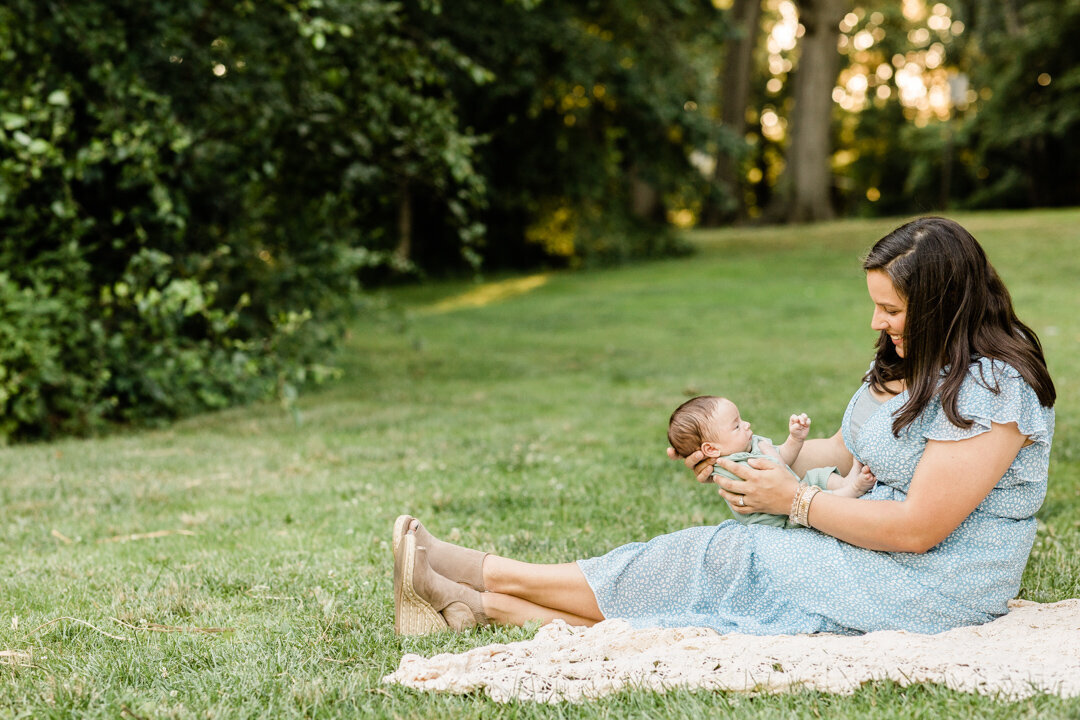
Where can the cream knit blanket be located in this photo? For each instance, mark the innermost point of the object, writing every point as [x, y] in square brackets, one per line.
[1035, 648]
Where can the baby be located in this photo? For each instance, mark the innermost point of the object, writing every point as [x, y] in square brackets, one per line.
[712, 425]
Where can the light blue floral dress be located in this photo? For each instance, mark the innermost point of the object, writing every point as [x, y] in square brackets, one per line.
[767, 580]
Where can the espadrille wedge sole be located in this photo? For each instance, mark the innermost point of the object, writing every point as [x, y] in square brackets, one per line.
[412, 614]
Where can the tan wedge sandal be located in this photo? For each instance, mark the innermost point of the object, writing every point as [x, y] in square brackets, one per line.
[457, 563]
[412, 614]
[425, 601]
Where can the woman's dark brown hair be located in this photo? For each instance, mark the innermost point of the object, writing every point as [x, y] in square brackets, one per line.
[958, 310]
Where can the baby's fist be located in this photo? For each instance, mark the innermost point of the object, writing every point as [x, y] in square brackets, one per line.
[799, 426]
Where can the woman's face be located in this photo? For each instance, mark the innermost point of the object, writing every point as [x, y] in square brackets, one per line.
[890, 309]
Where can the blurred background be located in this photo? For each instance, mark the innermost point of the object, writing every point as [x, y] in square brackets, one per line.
[196, 197]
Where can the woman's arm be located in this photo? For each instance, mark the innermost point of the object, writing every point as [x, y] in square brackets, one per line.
[823, 452]
[952, 478]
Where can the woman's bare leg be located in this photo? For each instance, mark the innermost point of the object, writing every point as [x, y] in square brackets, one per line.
[509, 610]
[517, 592]
[559, 589]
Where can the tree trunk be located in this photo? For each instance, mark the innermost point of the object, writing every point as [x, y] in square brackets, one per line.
[403, 251]
[806, 188]
[1012, 18]
[735, 93]
[644, 199]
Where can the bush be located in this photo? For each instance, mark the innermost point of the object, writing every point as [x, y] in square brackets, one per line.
[188, 192]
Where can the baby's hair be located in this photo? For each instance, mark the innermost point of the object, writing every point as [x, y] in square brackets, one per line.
[686, 429]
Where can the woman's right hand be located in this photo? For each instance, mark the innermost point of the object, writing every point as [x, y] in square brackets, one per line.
[763, 486]
[698, 462]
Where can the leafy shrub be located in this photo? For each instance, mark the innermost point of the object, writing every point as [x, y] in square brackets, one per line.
[187, 194]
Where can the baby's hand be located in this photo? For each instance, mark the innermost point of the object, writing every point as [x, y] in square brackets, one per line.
[864, 480]
[799, 426]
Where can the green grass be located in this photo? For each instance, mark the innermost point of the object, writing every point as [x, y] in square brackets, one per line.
[532, 426]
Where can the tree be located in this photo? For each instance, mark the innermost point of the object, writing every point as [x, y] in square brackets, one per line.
[737, 75]
[805, 189]
[1025, 68]
[188, 193]
[589, 115]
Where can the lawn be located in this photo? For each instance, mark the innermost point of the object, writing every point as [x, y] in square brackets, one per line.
[237, 564]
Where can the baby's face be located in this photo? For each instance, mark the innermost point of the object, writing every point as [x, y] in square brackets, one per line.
[728, 432]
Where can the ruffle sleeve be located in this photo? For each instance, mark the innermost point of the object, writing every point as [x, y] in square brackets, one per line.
[992, 392]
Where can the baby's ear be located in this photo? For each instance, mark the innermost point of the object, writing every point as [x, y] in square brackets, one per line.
[711, 449]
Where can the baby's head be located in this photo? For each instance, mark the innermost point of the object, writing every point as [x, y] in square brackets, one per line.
[710, 424]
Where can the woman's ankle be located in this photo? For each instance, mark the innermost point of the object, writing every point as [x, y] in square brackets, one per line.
[460, 564]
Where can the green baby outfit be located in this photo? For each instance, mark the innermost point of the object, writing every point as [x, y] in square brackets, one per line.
[816, 476]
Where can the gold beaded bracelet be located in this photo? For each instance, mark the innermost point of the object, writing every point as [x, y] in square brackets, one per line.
[794, 512]
[803, 511]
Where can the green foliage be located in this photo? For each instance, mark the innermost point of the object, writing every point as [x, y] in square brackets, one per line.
[1008, 143]
[1026, 64]
[585, 108]
[187, 195]
[42, 333]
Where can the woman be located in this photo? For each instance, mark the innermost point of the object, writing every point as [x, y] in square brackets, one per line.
[954, 417]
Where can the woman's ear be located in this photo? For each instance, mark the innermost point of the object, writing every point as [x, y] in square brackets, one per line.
[711, 449]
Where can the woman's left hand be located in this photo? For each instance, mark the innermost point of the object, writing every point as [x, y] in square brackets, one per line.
[701, 465]
[765, 486]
